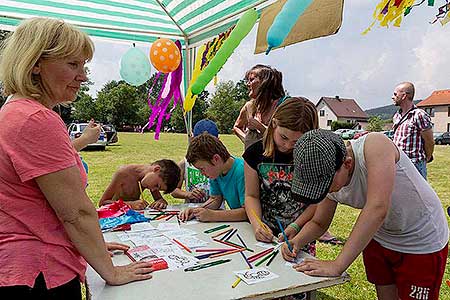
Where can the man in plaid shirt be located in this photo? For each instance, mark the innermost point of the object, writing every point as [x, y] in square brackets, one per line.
[413, 130]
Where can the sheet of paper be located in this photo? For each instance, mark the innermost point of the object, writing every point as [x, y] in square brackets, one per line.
[252, 276]
[142, 253]
[168, 226]
[179, 233]
[157, 241]
[167, 250]
[180, 261]
[267, 245]
[144, 226]
[297, 260]
[191, 222]
[192, 242]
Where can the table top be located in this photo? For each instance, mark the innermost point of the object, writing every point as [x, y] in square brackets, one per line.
[210, 282]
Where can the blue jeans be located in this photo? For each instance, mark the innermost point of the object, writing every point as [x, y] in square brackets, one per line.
[421, 166]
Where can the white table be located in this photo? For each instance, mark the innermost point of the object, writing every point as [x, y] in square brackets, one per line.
[209, 283]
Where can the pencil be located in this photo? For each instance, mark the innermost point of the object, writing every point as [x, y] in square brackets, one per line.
[212, 250]
[259, 255]
[183, 246]
[222, 232]
[231, 235]
[208, 254]
[242, 241]
[236, 282]
[232, 244]
[284, 235]
[216, 228]
[207, 265]
[264, 226]
[226, 253]
[264, 259]
[246, 260]
[273, 256]
[170, 217]
[224, 238]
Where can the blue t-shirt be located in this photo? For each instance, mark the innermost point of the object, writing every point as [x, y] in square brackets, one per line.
[231, 186]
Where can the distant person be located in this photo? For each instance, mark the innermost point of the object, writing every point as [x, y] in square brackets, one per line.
[226, 179]
[266, 92]
[401, 229]
[195, 183]
[49, 226]
[130, 181]
[413, 130]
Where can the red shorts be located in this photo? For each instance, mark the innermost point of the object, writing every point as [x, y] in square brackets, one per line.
[417, 276]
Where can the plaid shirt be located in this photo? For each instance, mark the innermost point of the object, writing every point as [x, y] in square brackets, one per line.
[408, 134]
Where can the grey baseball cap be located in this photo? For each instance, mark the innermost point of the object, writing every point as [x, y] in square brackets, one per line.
[318, 154]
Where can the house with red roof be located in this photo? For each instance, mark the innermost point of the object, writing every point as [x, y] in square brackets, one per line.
[438, 107]
[340, 109]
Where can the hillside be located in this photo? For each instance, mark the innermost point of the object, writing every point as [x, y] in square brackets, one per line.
[385, 112]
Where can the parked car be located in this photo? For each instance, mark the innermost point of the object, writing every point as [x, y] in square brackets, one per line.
[443, 139]
[389, 133]
[111, 133]
[341, 131]
[348, 135]
[76, 129]
[436, 134]
[360, 133]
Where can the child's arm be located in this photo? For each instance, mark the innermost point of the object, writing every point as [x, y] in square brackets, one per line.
[380, 155]
[178, 192]
[159, 202]
[302, 219]
[240, 124]
[252, 204]
[112, 190]
[209, 212]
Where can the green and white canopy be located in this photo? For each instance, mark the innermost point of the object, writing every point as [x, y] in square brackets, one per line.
[190, 21]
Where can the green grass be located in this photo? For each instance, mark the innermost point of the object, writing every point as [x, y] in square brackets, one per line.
[135, 148]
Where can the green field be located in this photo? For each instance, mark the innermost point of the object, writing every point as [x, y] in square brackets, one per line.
[142, 148]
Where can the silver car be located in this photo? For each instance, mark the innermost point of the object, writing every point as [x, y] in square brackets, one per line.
[76, 129]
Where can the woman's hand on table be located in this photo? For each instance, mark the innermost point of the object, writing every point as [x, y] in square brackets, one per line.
[133, 272]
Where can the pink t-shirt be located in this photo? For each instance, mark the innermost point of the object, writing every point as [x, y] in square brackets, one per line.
[34, 142]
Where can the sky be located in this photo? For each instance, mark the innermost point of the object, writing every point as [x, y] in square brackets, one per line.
[366, 68]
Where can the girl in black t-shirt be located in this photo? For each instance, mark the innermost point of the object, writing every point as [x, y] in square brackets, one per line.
[268, 172]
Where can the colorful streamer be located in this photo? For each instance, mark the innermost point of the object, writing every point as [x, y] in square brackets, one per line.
[170, 89]
[390, 11]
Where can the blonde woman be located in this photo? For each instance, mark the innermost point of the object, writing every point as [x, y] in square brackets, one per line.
[49, 226]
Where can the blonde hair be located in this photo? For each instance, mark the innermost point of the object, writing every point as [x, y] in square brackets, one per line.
[35, 39]
[296, 114]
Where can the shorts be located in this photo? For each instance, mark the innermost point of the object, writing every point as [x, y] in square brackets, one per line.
[417, 276]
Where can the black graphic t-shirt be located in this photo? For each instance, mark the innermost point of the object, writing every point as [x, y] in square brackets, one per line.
[275, 177]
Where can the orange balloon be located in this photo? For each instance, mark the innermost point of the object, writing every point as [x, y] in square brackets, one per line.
[165, 55]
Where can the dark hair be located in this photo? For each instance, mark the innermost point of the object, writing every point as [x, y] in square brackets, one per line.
[270, 88]
[296, 114]
[204, 147]
[170, 173]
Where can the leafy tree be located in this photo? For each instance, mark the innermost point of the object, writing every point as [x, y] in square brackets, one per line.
[335, 125]
[226, 103]
[375, 124]
[3, 35]
[198, 113]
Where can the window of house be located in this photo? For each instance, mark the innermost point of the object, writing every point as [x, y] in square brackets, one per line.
[322, 112]
[430, 111]
[448, 127]
[448, 111]
[329, 122]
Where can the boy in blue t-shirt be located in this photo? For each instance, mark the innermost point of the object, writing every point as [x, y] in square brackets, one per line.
[226, 178]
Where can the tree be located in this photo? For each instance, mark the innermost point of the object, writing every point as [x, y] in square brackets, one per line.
[375, 124]
[3, 35]
[226, 103]
[198, 112]
[335, 125]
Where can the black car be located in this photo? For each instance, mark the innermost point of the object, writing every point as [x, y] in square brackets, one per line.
[111, 133]
[442, 139]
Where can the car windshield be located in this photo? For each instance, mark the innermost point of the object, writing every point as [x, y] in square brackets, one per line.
[82, 127]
